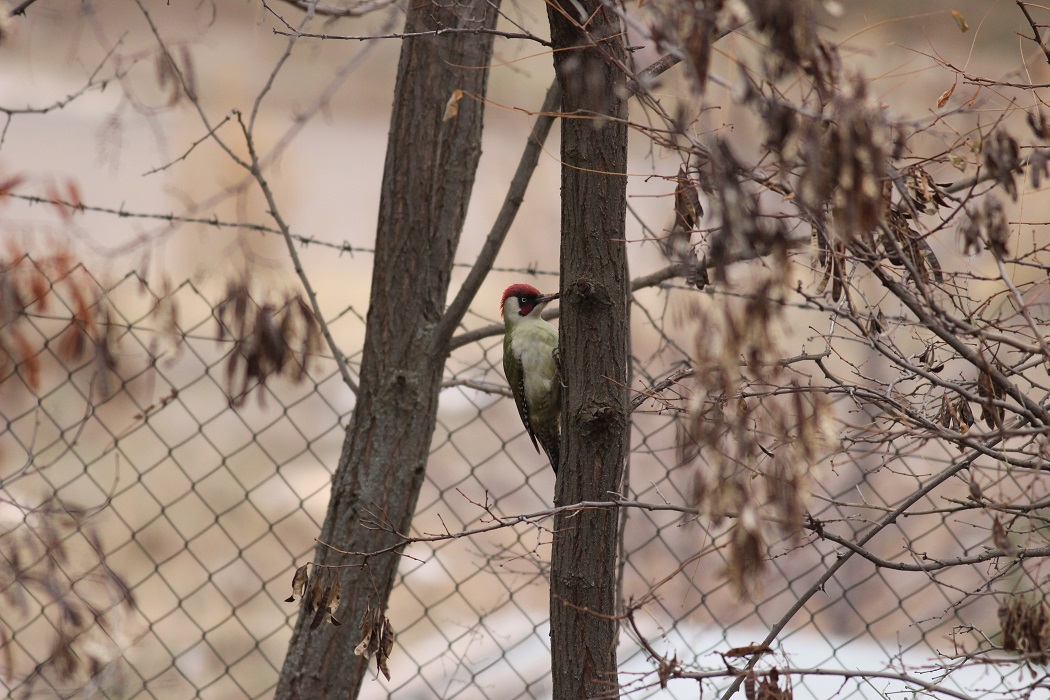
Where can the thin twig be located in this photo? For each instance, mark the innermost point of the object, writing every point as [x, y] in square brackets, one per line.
[21, 9]
[1036, 36]
[188, 151]
[510, 521]
[652, 391]
[415, 35]
[293, 253]
[327, 10]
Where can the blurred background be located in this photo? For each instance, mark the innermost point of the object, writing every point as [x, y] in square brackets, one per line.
[178, 517]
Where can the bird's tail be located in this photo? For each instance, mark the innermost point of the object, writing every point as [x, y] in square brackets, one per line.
[551, 443]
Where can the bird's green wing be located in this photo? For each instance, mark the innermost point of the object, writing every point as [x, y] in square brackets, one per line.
[516, 379]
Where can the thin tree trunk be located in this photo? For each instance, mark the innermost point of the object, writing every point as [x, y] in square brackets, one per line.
[429, 172]
[594, 344]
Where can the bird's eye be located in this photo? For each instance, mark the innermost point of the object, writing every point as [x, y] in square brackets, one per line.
[523, 300]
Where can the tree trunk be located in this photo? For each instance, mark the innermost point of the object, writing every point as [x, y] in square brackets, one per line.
[429, 172]
[594, 344]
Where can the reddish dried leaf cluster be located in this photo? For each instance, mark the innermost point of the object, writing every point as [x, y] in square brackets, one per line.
[51, 292]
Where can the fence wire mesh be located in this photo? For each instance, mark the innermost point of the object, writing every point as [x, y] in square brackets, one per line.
[151, 527]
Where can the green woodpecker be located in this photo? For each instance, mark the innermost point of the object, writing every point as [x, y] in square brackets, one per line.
[530, 348]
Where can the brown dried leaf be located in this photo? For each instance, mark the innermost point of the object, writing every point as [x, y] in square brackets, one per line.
[769, 688]
[315, 594]
[320, 607]
[385, 647]
[687, 208]
[876, 324]
[962, 410]
[335, 594]
[1002, 158]
[452, 106]
[945, 96]
[377, 637]
[991, 413]
[298, 583]
[365, 647]
[975, 489]
[1000, 537]
[749, 650]
[1025, 622]
[1036, 120]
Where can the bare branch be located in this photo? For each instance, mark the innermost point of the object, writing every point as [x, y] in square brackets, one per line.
[329, 10]
[293, 253]
[21, 8]
[412, 35]
[1037, 37]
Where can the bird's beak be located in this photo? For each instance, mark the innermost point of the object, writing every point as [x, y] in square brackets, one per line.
[543, 299]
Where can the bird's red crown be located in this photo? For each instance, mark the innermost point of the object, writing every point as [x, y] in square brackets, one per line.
[514, 290]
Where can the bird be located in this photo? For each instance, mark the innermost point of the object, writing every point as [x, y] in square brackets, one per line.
[530, 361]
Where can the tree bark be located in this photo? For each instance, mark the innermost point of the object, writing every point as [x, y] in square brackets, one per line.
[427, 181]
[589, 59]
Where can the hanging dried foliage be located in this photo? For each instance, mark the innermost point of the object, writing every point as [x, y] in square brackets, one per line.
[268, 339]
[756, 447]
[57, 562]
[1025, 621]
[55, 289]
[377, 638]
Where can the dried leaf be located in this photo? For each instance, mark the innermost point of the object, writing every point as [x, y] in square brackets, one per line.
[298, 583]
[335, 595]
[319, 606]
[452, 106]
[385, 647]
[1025, 622]
[945, 96]
[1000, 537]
[960, 21]
[876, 324]
[962, 410]
[1036, 120]
[314, 597]
[687, 207]
[749, 650]
[975, 489]
[769, 688]
[991, 414]
[377, 638]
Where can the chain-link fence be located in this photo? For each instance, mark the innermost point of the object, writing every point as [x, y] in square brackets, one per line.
[151, 527]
